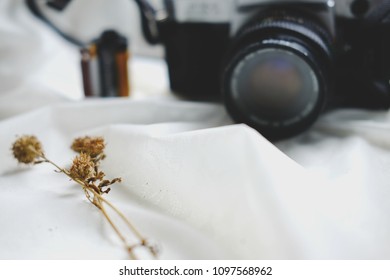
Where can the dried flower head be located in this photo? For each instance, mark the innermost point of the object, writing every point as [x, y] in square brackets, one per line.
[27, 149]
[83, 168]
[93, 146]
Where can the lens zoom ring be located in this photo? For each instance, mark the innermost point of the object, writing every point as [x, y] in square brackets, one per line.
[299, 28]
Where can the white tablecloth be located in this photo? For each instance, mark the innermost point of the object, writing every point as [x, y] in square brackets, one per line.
[198, 185]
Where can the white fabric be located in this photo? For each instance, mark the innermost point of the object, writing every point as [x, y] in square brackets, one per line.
[195, 183]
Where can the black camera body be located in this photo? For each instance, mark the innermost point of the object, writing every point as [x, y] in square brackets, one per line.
[277, 65]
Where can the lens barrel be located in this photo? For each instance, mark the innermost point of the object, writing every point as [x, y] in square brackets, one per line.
[277, 75]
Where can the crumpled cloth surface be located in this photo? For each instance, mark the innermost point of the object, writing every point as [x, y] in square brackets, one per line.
[198, 185]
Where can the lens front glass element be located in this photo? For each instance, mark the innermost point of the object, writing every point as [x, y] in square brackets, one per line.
[274, 87]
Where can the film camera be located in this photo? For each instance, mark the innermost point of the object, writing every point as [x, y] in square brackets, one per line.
[276, 64]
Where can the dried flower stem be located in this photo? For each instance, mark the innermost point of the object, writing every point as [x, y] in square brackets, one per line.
[98, 200]
[123, 217]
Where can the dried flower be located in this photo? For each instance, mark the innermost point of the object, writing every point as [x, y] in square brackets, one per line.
[83, 168]
[85, 171]
[93, 146]
[27, 149]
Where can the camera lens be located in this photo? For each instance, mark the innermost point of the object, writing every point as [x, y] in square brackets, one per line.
[274, 86]
[276, 80]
